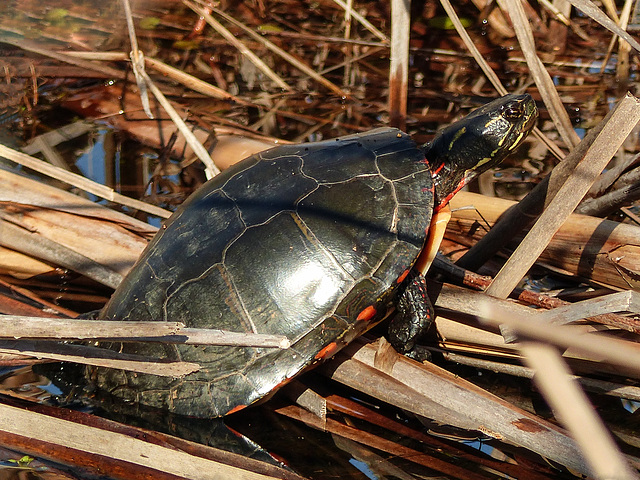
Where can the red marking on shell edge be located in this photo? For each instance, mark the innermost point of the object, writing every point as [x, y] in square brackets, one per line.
[236, 409]
[327, 351]
[403, 276]
[445, 200]
[437, 170]
[367, 314]
[281, 384]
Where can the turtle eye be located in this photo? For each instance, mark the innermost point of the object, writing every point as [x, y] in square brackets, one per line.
[512, 112]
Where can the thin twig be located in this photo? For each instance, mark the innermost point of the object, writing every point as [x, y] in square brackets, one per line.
[471, 46]
[190, 138]
[590, 9]
[242, 48]
[17, 326]
[364, 22]
[31, 46]
[175, 74]
[285, 55]
[137, 60]
[538, 71]
[192, 82]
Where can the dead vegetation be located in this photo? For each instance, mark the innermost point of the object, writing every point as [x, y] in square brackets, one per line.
[245, 76]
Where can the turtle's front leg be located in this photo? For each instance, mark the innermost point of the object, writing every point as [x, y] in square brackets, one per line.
[414, 315]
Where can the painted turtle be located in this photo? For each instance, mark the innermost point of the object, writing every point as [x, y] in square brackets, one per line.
[313, 241]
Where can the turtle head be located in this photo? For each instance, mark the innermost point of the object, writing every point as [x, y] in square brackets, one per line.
[479, 141]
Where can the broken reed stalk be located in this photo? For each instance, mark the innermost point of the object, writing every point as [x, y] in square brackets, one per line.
[80, 182]
[607, 203]
[19, 190]
[624, 49]
[602, 387]
[586, 343]
[616, 175]
[430, 391]
[624, 118]
[31, 243]
[36, 429]
[557, 307]
[307, 398]
[15, 326]
[137, 61]
[192, 82]
[399, 64]
[603, 251]
[111, 466]
[607, 349]
[53, 308]
[394, 448]
[99, 357]
[53, 225]
[363, 21]
[456, 451]
[626, 301]
[186, 132]
[561, 391]
[571, 405]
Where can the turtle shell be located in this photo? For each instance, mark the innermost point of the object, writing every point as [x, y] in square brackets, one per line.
[308, 241]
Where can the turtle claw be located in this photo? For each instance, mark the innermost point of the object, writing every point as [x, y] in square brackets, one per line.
[419, 354]
[414, 316]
